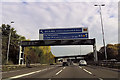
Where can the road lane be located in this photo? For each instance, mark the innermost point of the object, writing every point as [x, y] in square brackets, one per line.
[74, 72]
[102, 73]
[22, 71]
[51, 73]
[71, 72]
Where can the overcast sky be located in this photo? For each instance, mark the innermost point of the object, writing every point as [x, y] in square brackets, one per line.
[29, 17]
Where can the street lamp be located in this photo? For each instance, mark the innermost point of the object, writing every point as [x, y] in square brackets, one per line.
[102, 29]
[9, 43]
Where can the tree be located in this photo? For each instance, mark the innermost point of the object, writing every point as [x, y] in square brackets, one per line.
[14, 44]
[112, 51]
[41, 54]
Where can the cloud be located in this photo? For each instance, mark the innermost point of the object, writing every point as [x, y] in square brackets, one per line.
[29, 17]
[60, 0]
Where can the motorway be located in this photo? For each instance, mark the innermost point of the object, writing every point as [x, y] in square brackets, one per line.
[58, 72]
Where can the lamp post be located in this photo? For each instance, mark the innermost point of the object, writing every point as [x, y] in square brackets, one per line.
[9, 43]
[102, 29]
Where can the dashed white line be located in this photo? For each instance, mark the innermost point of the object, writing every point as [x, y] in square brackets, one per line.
[80, 67]
[100, 78]
[58, 72]
[64, 67]
[49, 79]
[87, 71]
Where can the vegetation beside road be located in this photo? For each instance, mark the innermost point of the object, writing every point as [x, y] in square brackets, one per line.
[113, 56]
[43, 54]
[40, 54]
[113, 52]
[19, 67]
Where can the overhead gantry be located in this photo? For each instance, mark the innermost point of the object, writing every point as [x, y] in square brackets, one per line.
[56, 43]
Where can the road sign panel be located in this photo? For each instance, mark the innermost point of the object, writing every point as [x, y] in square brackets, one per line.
[65, 36]
[63, 33]
[64, 30]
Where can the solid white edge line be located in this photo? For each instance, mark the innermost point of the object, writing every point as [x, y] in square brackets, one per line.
[58, 72]
[26, 74]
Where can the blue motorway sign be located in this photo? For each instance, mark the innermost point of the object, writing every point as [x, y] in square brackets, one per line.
[65, 36]
[64, 30]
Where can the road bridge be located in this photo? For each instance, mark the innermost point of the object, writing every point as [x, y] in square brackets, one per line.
[71, 56]
[56, 43]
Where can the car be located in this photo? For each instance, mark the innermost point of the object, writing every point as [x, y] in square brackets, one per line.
[82, 63]
[65, 64]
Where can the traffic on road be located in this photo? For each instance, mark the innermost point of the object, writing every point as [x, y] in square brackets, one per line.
[63, 71]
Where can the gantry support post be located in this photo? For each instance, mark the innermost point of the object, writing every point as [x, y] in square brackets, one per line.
[95, 52]
[21, 55]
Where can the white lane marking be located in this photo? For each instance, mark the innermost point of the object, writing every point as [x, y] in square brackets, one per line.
[80, 67]
[24, 75]
[100, 78]
[58, 72]
[87, 71]
[14, 77]
[49, 79]
[64, 67]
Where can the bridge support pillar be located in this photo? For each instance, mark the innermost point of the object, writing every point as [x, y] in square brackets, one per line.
[95, 52]
[55, 60]
[21, 55]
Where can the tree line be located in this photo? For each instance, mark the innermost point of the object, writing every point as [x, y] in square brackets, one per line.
[43, 54]
[40, 54]
[112, 50]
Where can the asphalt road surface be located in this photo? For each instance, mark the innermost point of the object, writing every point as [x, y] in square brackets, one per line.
[58, 72]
